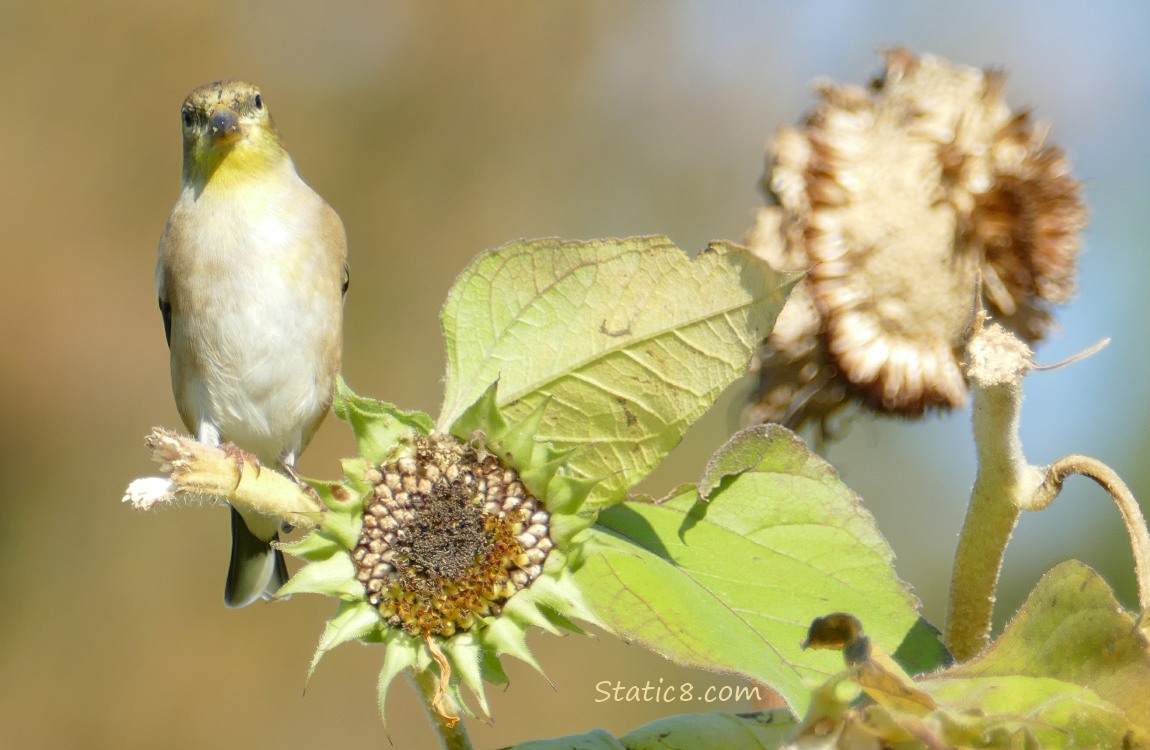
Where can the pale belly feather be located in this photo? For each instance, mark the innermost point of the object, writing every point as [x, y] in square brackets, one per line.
[252, 329]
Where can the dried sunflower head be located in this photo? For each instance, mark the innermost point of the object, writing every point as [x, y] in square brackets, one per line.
[449, 535]
[445, 548]
[906, 202]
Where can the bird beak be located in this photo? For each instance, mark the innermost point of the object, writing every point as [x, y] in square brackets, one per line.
[224, 127]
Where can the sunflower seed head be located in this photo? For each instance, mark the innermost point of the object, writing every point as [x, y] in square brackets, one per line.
[449, 534]
[905, 202]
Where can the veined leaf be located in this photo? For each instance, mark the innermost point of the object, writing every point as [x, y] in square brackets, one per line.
[732, 584]
[1071, 628]
[763, 730]
[630, 339]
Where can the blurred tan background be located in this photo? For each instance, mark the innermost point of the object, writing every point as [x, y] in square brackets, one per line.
[438, 131]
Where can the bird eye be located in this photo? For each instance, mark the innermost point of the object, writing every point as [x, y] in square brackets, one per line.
[259, 102]
[187, 118]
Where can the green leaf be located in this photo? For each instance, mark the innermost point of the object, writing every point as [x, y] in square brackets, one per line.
[378, 425]
[596, 739]
[1069, 671]
[1071, 628]
[743, 452]
[1051, 713]
[732, 585]
[997, 712]
[630, 339]
[762, 730]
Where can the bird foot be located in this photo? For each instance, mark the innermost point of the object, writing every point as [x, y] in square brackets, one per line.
[303, 485]
[241, 458]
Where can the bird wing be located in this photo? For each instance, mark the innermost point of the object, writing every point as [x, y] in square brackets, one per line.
[166, 311]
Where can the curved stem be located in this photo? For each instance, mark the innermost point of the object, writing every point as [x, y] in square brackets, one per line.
[1003, 475]
[996, 364]
[1128, 507]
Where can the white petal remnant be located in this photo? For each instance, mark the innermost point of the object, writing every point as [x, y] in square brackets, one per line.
[145, 492]
[903, 201]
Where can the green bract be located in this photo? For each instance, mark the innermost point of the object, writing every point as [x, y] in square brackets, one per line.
[423, 618]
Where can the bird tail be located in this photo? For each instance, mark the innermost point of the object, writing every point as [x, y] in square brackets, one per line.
[257, 570]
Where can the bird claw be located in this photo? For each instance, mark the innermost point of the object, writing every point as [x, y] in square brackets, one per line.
[241, 458]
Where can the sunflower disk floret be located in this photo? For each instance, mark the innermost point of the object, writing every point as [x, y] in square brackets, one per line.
[449, 535]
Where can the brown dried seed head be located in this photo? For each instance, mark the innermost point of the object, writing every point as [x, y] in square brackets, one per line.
[450, 546]
[900, 201]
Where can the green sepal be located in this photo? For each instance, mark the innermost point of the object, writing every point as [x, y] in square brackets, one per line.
[402, 652]
[509, 637]
[540, 464]
[464, 652]
[519, 446]
[343, 528]
[352, 621]
[544, 475]
[379, 426]
[423, 665]
[336, 496]
[355, 469]
[519, 440]
[314, 547]
[482, 416]
[564, 503]
[528, 611]
[334, 576]
[560, 599]
[492, 668]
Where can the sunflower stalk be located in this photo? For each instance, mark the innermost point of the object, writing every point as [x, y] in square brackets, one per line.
[1006, 484]
[441, 708]
[997, 363]
[196, 470]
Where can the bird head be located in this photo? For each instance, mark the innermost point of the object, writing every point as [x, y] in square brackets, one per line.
[229, 136]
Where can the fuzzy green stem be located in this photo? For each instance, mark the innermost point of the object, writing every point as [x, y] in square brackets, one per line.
[445, 718]
[1128, 507]
[997, 363]
[227, 473]
[990, 520]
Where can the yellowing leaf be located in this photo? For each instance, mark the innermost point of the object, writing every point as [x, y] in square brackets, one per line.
[1073, 629]
[631, 340]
